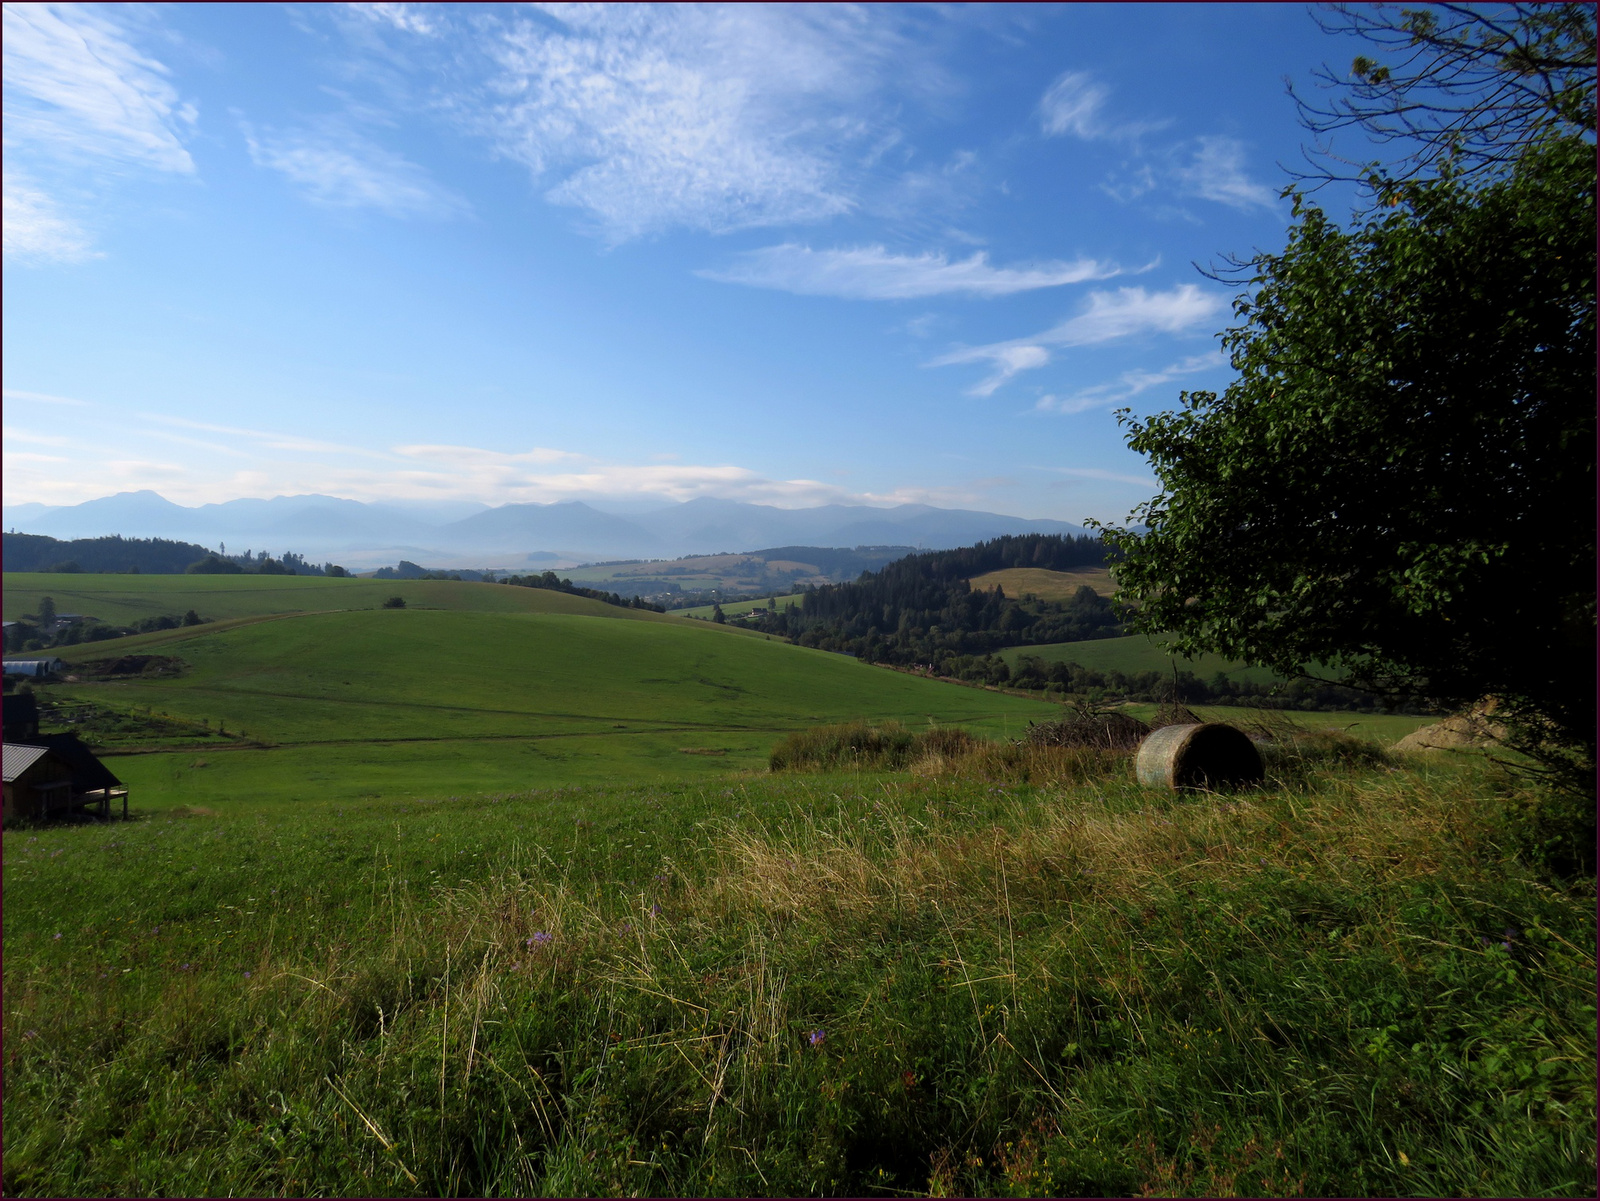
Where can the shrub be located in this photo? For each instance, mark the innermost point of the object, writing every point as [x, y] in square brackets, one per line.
[395, 602]
[845, 745]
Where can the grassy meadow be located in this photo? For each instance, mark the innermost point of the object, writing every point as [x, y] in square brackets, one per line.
[1046, 585]
[735, 608]
[862, 983]
[472, 687]
[498, 895]
[1132, 654]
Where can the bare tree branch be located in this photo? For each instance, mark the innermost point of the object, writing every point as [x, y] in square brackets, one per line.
[1471, 86]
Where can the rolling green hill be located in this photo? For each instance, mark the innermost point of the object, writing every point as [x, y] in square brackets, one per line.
[1133, 654]
[506, 688]
[125, 598]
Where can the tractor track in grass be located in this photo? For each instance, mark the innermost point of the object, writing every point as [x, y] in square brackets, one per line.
[256, 745]
[384, 703]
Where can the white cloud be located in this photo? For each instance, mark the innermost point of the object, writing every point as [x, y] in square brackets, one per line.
[1072, 104]
[1129, 384]
[35, 230]
[872, 273]
[1008, 361]
[1096, 473]
[1075, 103]
[1217, 173]
[473, 457]
[340, 169]
[266, 438]
[13, 434]
[1107, 317]
[75, 86]
[45, 397]
[409, 18]
[708, 117]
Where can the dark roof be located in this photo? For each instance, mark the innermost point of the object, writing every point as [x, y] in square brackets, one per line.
[21, 709]
[88, 773]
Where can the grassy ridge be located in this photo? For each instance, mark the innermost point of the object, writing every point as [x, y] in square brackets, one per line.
[126, 598]
[414, 701]
[860, 983]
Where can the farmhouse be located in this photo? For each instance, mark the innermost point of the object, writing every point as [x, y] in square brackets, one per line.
[57, 776]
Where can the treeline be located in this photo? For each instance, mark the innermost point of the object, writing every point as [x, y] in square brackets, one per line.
[1181, 687]
[553, 582]
[261, 564]
[46, 629]
[920, 610]
[116, 555]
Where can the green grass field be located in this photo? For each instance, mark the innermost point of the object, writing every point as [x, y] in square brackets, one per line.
[867, 984]
[494, 895]
[734, 608]
[1133, 654]
[489, 688]
[127, 598]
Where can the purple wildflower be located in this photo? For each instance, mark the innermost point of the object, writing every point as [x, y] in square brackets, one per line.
[539, 939]
[816, 1037]
[655, 910]
[58, 938]
[247, 975]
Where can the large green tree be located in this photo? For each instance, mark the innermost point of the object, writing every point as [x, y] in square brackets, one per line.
[1401, 481]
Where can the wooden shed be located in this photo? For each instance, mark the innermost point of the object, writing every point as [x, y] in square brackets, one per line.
[58, 776]
[38, 782]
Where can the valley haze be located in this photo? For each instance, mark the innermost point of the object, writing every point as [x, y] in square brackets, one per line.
[464, 534]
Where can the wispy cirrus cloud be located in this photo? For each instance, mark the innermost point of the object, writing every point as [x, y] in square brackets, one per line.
[1216, 172]
[1211, 168]
[410, 18]
[42, 397]
[266, 439]
[706, 117]
[1106, 317]
[1075, 104]
[77, 92]
[1098, 473]
[35, 229]
[76, 86]
[339, 168]
[873, 273]
[1130, 384]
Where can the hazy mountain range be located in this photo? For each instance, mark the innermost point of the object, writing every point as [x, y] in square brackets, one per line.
[466, 534]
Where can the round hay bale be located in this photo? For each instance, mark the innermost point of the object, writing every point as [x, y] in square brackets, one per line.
[1206, 755]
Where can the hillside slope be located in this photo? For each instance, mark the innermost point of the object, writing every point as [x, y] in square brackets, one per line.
[427, 702]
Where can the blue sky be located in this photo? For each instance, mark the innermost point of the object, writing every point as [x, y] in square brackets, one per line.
[786, 255]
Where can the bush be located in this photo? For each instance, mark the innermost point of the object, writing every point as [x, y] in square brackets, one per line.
[853, 744]
[395, 602]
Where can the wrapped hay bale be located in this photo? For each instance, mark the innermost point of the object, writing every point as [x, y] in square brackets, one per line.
[1207, 755]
